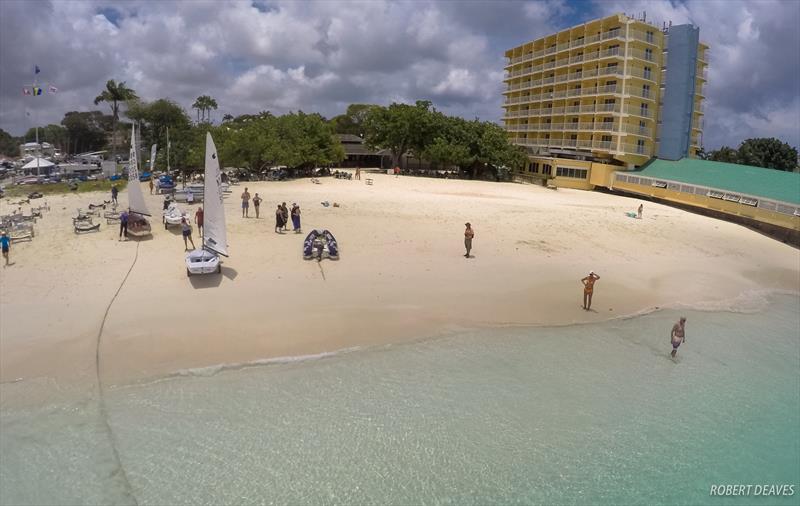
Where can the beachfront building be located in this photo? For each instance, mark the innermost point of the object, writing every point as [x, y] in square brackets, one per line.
[766, 199]
[603, 96]
[33, 149]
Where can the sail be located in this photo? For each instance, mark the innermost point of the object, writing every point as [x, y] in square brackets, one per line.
[153, 157]
[215, 237]
[135, 198]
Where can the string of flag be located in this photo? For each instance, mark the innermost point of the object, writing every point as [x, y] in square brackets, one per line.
[35, 90]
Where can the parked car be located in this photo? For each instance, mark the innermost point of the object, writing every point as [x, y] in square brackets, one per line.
[115, 177]
[145, 176]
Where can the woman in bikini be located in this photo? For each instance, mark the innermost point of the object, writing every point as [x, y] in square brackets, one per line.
[588, 289]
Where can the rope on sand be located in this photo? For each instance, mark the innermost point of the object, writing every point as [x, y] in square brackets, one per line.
[102, 400]
[319, 264]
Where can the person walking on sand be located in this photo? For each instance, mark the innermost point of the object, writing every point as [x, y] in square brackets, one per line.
[296, 218]
[469, 234]
[151, 186]
[397, 171]
[245, 203]
[285, 212]
[641, 208]
[198, 219]
[678, 335]
[588, 289]
[114, 193]
[279, 220]
[5, 245]
[123, 224]
[256, 203]
[186, 230]
[358, 173]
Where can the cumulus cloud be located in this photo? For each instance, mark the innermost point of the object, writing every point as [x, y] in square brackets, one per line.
[321, 56]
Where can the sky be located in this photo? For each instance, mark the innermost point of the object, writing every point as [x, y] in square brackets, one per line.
[281, 56]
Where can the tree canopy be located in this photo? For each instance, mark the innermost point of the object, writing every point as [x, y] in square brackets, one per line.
[770, 153]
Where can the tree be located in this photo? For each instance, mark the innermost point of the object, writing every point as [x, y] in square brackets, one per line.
[724, 154]
[769, 153]
[227, 117]
[86, 131]
[353, 121]
[113, 95]
[203, 104]
[9, 145]
[397, 128]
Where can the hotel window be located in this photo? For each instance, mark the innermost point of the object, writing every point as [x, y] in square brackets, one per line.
[613, 50]
[643, 111]
[649, 37]
[648, 54]
[647, 72]
[640, 146]
[547, 170]
[606, 138]
[570, 172]
[646, 90]
[641, 127]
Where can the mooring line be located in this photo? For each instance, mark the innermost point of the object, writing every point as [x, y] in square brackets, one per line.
[102, 400]
[319, 264]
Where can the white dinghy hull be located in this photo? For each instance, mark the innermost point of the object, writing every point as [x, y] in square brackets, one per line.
[201, 261]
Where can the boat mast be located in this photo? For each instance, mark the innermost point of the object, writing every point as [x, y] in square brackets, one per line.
[168, 171]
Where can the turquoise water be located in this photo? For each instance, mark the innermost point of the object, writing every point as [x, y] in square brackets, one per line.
[593, 414]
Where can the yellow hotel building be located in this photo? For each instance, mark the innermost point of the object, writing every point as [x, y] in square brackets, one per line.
[605, 95]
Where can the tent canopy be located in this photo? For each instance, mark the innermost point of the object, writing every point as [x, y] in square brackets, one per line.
[42, 163]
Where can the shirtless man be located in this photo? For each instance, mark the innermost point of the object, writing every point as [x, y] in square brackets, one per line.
[588, 289]
[678, 335]
[468, 235]
[641, 208]
[245, 203]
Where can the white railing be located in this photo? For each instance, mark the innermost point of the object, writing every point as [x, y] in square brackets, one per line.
[636, 110]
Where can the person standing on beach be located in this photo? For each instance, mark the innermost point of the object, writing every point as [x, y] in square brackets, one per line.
[468, 235]
[678, 335]
[123, 224]
[5, 245]
[397, 171]
[641, 208]
[114, 193]
[256, 203]
[358, 173]
[245, 203]
[588, 289]
[285, 213]
[151, 186]
[279, 219]
[186, 230]
[296, 218]
[198, 219]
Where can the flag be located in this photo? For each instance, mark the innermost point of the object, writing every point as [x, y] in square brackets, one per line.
[36, 69]
[37, 90]
[52, 89]
[26, 91]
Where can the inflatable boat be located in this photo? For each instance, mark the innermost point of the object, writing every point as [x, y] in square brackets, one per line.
[320, 244]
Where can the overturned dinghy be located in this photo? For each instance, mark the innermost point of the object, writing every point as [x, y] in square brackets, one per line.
[320, 244]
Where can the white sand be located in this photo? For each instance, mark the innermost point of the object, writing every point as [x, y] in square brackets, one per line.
[402, 274]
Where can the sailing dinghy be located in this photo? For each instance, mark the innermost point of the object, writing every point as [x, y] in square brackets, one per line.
[215, 239]
[138, 226]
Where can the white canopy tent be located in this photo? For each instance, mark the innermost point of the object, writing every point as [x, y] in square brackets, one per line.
[37, 163]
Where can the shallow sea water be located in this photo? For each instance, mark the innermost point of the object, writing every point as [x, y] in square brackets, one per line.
[590, 414]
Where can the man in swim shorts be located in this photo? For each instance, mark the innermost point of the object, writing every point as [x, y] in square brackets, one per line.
[469, 234]
[678, 335]
[245, 203]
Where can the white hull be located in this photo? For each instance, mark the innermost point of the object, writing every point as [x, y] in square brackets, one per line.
[202, 262]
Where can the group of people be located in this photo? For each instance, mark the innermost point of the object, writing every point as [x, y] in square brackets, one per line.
[282, 213]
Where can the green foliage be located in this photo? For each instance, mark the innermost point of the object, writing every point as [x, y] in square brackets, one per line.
[770, 153]
[113, 95]
[86, 131]
[9, 145]
[399, 128]
[56, 135]
[204, 104]
[762, 152]
[353, 121]
[59, 188]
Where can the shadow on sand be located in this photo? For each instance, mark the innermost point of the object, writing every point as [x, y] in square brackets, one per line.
[201, 281]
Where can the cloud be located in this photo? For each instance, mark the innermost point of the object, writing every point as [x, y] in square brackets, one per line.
[321, 56]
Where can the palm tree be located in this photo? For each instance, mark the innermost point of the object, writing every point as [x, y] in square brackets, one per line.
[204, 104]
[113, 95]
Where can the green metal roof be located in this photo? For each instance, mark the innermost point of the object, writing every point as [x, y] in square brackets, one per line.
[756, 181]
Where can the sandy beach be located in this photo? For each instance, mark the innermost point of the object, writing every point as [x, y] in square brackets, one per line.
[402, 274]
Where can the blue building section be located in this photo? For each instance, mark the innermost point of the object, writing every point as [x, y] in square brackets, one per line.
[678, 97]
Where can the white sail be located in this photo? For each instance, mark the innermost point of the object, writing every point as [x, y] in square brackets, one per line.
[135, 197]
[215, 237]
[153, 157]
